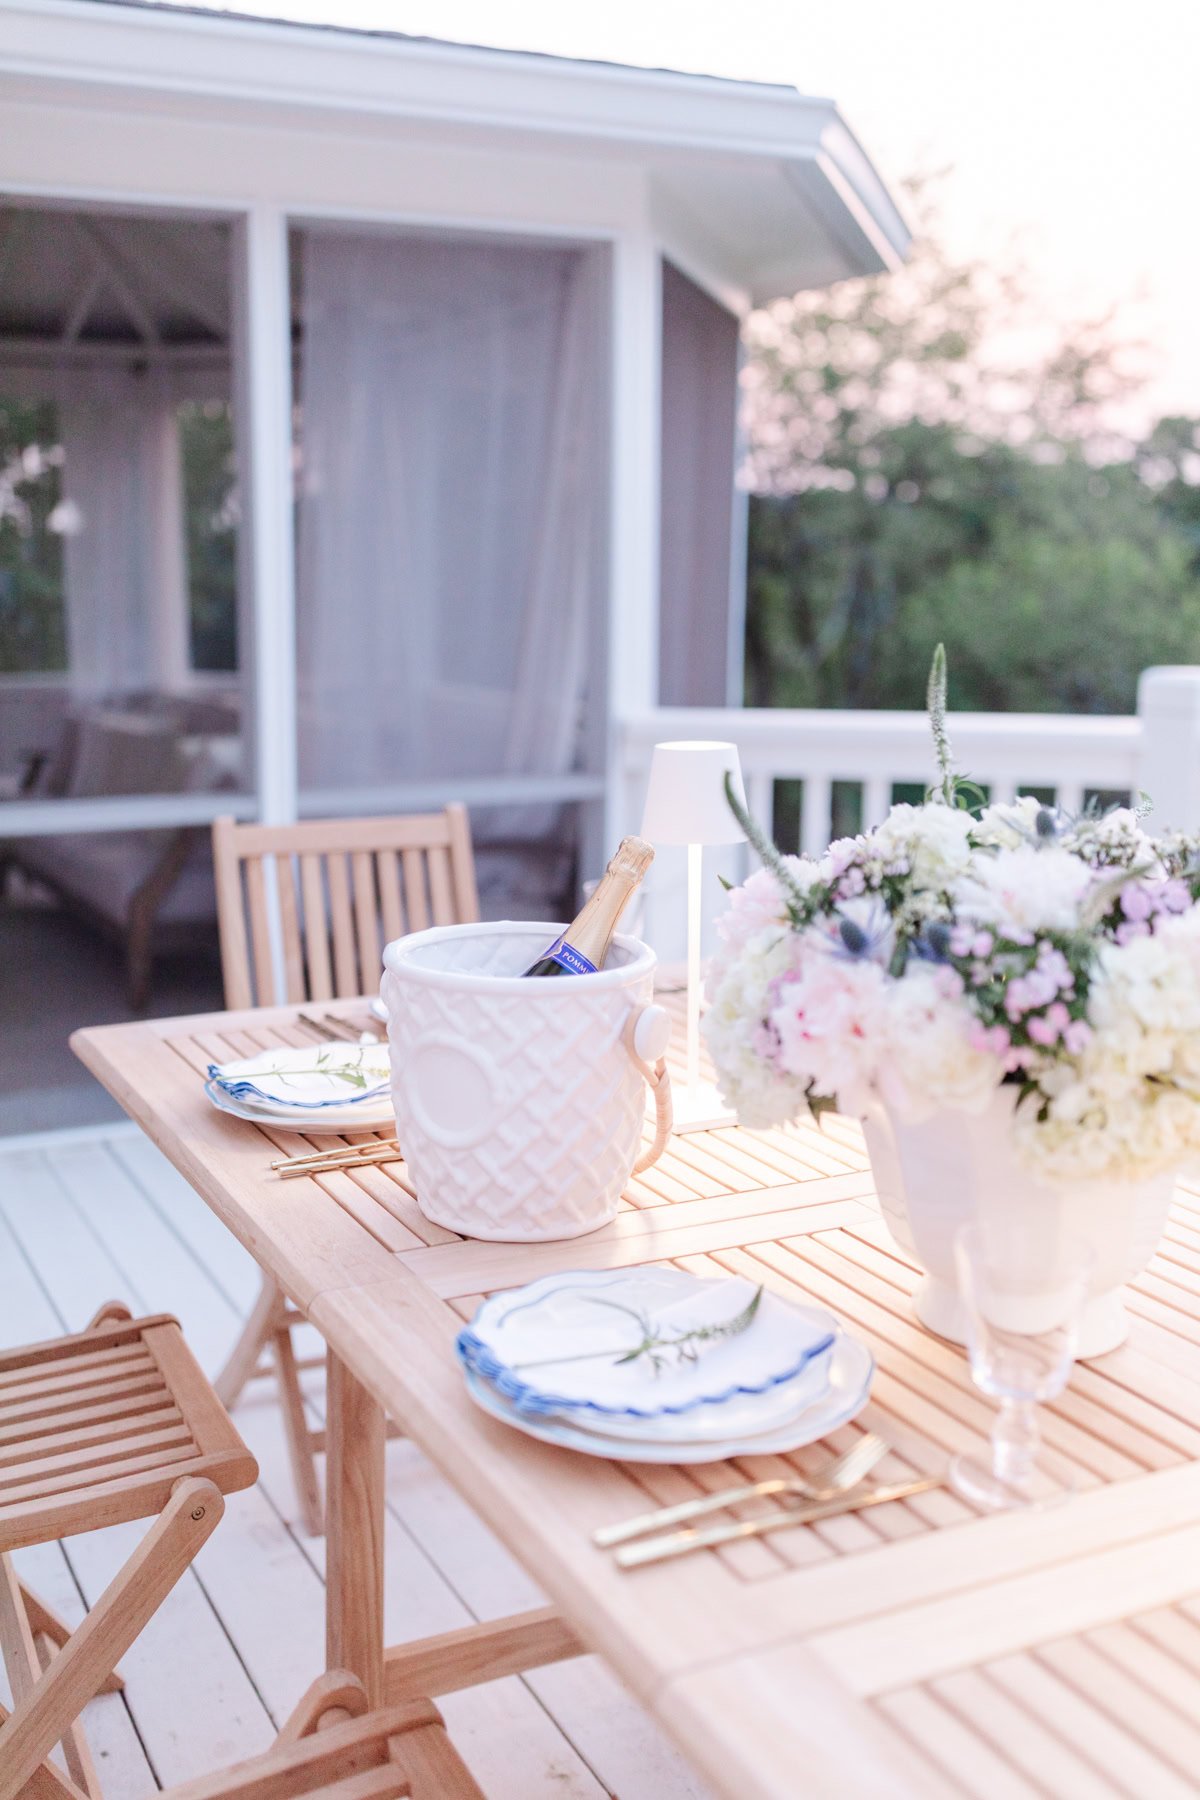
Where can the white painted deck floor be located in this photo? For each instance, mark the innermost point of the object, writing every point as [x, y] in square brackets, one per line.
[96, 1214]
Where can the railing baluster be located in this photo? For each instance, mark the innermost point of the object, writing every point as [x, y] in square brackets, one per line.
[816, 827]
[877, 800]
[760, 798]
[1069, 795]
[1002, 790]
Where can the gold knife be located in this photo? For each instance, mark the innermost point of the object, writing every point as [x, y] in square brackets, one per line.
[681, 1543]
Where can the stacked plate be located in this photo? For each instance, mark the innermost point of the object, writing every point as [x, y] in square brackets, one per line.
[312, 1088]
[656, 1365]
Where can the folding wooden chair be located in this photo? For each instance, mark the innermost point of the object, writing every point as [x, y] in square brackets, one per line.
[332, 1749]
[343, 888]
[112, 1424]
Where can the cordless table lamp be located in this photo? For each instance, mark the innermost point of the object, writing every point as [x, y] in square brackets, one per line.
[686, 804]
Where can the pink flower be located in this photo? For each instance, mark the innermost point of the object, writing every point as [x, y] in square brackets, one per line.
[753, 906]
[991, 1039]
[1135, 901]
[982, 944]
[832, 1022]
[1130, 929]
[948, 982]
[1077, 1036]
[840, 854]
[1043, 1031]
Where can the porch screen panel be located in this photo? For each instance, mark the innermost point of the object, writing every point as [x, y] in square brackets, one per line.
[699, 663]
[447, 513]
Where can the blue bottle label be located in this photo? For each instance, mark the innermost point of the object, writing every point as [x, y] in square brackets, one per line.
[570, 959]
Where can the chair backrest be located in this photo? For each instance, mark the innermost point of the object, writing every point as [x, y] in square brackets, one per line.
[343, 888]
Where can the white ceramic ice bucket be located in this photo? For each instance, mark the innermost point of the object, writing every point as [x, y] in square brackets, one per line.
[520, 1104]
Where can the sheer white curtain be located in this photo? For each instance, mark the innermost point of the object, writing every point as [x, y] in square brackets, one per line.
[449, 393]
[124, 558]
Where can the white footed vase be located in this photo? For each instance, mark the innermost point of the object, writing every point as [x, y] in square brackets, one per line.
[957, 1167]
[520, 1103]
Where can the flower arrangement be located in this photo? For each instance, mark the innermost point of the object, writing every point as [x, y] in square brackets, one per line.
[960, 946]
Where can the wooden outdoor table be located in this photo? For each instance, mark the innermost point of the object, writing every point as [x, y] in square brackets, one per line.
[920, 1649]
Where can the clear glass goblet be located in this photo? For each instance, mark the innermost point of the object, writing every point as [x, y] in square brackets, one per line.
[1022, 1304]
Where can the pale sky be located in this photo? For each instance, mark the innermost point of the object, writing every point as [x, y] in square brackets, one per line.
[1073, 126]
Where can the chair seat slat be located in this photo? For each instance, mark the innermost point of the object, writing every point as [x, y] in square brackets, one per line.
[96, 1460]
[119, 1414]
[107, 1476]
[76, 1382]
[82, 1348]
[48, 1407]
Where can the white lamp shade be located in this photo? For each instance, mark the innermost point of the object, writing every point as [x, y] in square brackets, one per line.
[685, 801]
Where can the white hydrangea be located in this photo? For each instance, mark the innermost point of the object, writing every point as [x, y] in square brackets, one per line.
[1024, 890]
[1129, 1105]
[740, 996]
[1116, 840]
[1008, 823]
[933, 842]
[929, 1063]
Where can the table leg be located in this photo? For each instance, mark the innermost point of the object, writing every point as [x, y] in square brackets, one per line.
[354, 1530]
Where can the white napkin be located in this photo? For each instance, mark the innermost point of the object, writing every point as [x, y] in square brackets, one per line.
[316, 1075]
[563, 1345]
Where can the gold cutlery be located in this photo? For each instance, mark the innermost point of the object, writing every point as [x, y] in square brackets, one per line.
[340, 1031]
[345, 1156]
[682, 1543]
[322, 1030]
[832, 1478]
[346, 1166]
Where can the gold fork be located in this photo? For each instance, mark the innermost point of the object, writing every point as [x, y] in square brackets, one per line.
[831, 1479]
[670, 1544]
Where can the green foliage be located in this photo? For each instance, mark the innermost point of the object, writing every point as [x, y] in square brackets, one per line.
[912, 492]
[210, 512]
[31, 584]
[32, 611]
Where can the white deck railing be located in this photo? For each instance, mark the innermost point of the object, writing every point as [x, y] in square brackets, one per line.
[1155, 751]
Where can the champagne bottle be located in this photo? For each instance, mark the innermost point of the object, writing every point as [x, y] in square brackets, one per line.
[583, 946]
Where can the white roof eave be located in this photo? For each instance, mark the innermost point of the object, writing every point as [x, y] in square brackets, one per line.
[683, 123]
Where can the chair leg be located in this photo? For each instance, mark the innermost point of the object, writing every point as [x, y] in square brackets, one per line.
[45, 1623]
[299, 1438]
[46, 1782]
[256, 1334]
[44, 1715]
[332, 1699]
[75, 1747]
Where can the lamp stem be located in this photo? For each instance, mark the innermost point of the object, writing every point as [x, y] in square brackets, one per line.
[695, 856]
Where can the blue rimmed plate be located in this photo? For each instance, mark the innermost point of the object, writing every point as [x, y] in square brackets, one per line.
[851, 1368]
[318, 1123]
[641, 1343]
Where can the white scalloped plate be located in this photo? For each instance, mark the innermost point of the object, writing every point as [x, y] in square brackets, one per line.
[850, 1372]
[319, 1122]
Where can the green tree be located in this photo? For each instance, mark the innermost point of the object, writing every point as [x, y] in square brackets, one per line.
[211, 519]
[31, 575]
[912, 487]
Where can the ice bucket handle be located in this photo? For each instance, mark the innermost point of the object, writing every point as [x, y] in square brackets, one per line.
[646, 1035]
